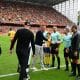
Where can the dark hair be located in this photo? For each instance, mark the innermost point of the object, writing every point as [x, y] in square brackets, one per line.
[67, 29]
[27, 22]
[10, 28]
[74, 26]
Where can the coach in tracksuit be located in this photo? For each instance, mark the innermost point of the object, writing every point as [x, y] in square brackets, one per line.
[55, 41]
[23, 37]
[75, 50]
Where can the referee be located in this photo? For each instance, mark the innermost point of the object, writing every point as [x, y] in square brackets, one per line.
[23, 37]
[55, 41]
[67, 45]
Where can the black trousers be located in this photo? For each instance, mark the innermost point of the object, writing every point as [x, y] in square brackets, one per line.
[23, 57]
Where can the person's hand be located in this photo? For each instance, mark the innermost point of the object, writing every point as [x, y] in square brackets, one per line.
[56, 49]
[67, 50]
[33, 55]
[75, 53]
[58, 42]
[10, 51]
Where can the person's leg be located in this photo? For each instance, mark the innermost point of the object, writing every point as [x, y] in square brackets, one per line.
[66, 55]
[78, 68]
[74, 65]
[41, 56]
[35, 57]
[70, 58]
[48, 56]
[45, 59]
[53, 60]
[23, 74]
[67, 64]
[58, 59]
[48, 59]
[19, 68]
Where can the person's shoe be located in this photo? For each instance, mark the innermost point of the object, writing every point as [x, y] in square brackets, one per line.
[77, 77]
[66, 69]
[44, 68]
[58, 68]
[28, 77]
[52, 66]
[25, 79]
[72, 74]
[34, 69]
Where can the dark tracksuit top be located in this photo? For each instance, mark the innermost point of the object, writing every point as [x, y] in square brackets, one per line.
[23, 37]
[75, 43]
[39, 38]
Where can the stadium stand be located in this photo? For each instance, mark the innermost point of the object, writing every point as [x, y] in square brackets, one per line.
[17, 13]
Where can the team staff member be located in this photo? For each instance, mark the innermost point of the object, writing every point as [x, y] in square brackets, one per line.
[55, 40]
[38, 46]
[75, 50]
[67, 45]
[11, 34]
[23, 37]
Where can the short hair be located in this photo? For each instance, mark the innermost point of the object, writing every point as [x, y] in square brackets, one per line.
[27, 22]
[10, 28]
[74, 26]
[67, 28]
[54, 27]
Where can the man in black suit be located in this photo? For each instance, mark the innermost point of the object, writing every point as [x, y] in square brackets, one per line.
[75, 51]
[23, 37]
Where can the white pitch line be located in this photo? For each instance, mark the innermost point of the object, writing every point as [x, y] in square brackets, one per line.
[47, 68]
[12, 74]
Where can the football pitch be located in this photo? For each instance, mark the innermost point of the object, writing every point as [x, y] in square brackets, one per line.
[8, 65]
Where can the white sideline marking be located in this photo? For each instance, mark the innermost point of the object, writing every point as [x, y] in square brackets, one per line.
[47, 68]
[12, 74]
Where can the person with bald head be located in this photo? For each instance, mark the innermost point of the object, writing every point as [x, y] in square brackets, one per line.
[39, 46]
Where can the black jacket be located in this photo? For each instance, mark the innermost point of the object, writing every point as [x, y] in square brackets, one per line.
[23, 37]
[75, 41]
[39, 38]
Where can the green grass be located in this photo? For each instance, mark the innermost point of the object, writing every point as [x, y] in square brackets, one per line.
[8, 64]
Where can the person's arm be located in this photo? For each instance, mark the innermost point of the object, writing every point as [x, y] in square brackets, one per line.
[44, 37]
[59, 38]
[9, 33]
[14, 40]
[33, 43]
[77, 40]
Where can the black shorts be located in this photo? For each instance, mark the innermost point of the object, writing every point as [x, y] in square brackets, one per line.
[46, 49]
[73, 54]
[66, 54]
[70, 52]
[53, 47]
